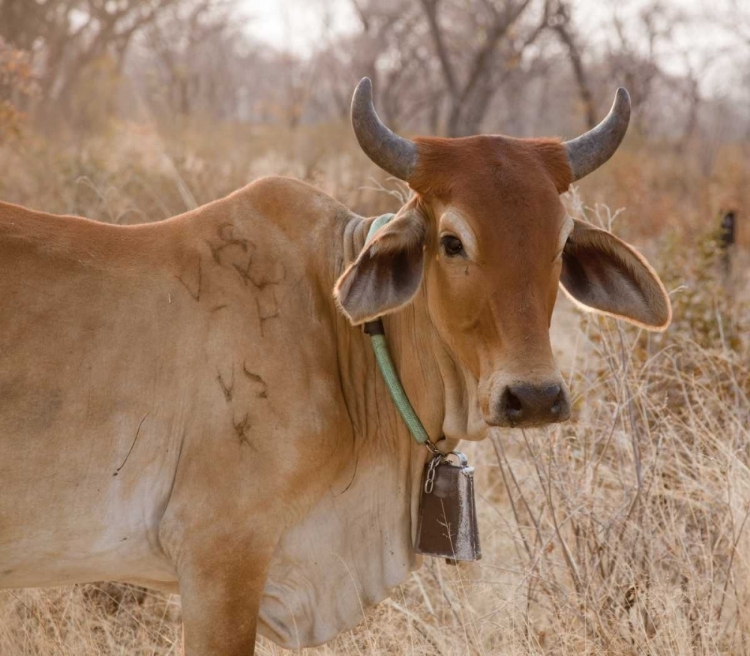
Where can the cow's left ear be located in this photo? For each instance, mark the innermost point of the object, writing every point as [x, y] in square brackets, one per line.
[602, 273]
[388, 272]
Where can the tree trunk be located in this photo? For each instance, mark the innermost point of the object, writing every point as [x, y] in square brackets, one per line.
[579, 72]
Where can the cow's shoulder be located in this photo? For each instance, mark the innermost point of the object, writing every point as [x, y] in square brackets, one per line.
[295, 206]
[281, 221]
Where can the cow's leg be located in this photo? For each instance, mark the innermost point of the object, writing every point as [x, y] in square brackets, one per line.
[221, 590]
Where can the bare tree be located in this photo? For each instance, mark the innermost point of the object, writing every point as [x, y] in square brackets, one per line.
[70, 35]
[472, 68]
[194, 53]
[561, 23]
[635, 60]
[389, 48]
[17, 86]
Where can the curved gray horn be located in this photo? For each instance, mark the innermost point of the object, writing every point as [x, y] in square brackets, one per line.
[390, 152]
[589, 151]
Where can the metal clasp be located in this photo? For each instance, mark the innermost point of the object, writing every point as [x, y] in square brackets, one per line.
[437, 457]
[429, 481]
[432, 448]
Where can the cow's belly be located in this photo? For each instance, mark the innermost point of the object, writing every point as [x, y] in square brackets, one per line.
[86, 470]
[92, 417]
[68, 515]
[43, 561]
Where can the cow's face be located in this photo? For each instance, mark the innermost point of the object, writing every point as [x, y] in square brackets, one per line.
[497, 230]
[488, 240]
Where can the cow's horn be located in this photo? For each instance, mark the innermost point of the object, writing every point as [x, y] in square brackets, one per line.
[390, 152]
[589, 151]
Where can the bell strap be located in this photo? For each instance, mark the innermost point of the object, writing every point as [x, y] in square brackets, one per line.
[376, 332]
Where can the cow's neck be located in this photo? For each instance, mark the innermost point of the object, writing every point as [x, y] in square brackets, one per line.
[419, 357]
[356, 543]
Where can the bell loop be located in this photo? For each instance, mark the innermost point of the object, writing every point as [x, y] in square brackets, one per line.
[429, 482]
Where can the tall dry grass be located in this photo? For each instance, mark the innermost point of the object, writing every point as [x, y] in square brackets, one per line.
[624, 531]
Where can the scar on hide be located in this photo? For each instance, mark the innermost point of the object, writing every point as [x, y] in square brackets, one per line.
[263, 394]
[264, 314]
[354, 473]
[137, 432]
[196, 295]
[261, 280]
[216, 308]
[226, 235]
[226, 390]
[241, 428]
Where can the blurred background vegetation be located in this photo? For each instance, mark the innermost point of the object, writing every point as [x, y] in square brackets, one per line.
[103, 102]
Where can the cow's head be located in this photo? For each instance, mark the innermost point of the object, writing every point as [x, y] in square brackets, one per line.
[488, 239]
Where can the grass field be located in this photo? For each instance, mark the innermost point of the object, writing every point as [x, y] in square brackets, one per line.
[624, 531]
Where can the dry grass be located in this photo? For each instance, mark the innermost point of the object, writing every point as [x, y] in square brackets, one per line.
[622, 532]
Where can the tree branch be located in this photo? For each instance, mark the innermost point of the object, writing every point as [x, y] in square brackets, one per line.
[430, 8]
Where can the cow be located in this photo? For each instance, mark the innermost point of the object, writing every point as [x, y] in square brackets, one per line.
[191, 405]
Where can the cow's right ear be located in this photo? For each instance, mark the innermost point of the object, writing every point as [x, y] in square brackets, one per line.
[388, 271]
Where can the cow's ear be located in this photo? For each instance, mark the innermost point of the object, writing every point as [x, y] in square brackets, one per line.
[388, 272]
[602, 273]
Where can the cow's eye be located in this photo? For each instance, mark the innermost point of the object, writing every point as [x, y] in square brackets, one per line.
[452, 246]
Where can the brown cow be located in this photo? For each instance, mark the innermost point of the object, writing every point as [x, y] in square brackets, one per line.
[184, 405]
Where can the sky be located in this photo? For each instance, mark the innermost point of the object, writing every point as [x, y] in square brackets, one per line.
[297, 25]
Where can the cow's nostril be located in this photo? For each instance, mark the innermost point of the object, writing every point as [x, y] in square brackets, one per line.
[513, 405]
[557, 405]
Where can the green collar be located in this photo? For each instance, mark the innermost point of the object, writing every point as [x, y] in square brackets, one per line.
[380, 346]
[376, 225]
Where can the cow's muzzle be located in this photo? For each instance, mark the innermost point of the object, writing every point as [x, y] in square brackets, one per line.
[525, 404]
